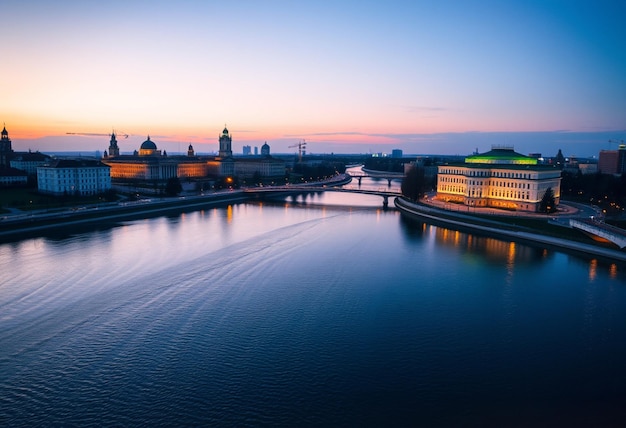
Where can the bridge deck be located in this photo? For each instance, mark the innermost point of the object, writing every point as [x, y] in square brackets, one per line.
[604, 226]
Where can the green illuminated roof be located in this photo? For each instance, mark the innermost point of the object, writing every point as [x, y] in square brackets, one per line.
[504, 156]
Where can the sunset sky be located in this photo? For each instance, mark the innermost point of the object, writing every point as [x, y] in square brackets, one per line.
[347, 76]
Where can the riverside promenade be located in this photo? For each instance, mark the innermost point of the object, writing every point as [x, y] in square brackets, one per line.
[435, 212]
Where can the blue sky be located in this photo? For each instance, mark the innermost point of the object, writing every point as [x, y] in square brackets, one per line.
[347, 76]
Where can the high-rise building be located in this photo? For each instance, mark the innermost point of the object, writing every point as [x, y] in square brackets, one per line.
[608, 162]
[247, 150]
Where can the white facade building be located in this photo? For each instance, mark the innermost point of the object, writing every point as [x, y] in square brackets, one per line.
[74, 176]
[29, 161]
[499, 178]
[265, 167]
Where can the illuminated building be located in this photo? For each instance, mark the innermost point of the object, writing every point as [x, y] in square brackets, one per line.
[74, 177]
[500, 178]
[150, 164]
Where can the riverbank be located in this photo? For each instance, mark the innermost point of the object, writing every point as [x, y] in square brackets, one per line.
[25, 224]
[467, 222]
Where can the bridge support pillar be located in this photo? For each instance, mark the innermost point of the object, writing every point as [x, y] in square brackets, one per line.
[389, 182]
[385, 201]
[359, 178]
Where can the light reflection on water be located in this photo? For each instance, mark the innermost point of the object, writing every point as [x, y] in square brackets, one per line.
[293, 313]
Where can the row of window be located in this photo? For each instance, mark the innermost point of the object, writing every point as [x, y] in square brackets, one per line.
[487, 173]
[495, 183]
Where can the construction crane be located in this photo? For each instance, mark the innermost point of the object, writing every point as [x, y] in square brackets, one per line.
[618, 142]
[301, 149]
[93, 134]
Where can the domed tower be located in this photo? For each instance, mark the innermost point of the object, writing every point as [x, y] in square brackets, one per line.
[225, 144]
[6, 151]
[190, 151]
[148, 148]
[265, 149]
[114, 150]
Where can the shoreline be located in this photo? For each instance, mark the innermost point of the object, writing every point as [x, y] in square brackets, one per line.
[24, 225]
[37, 225]
[463, 223]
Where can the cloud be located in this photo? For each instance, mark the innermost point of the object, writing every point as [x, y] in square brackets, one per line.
[419, 109]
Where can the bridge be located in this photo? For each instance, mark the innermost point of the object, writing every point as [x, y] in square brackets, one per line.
[600, 229]
[303, 188]
[377, 174]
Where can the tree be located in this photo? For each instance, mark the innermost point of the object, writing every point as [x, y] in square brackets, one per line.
[548, 203]
[414, 184]
[173, 186]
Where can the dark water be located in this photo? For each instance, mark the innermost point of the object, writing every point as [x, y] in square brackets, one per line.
[311, 313]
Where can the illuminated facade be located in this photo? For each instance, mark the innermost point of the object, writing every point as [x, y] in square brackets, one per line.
[150, 164]
[500, 178]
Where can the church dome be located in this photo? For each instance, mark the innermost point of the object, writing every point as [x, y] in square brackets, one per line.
[148, 145]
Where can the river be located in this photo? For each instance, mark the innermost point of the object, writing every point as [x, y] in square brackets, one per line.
[322, 310]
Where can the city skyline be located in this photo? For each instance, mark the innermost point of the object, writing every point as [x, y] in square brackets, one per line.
[361, 77]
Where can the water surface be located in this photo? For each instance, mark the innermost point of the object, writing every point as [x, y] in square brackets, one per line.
[321, 310]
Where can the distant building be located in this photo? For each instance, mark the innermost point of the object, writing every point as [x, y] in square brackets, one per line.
[9, 176]
[114, 149]
[612, 161]
[12, 177]
[150, 164]
[247, 150]
[6, 151]
[264, 167]
[74, 177]
[226, 141]
[559, 159]
[256, 151]
[396, 153]
[588, 168]
[500, 178]
[265, 149]
[29, 161]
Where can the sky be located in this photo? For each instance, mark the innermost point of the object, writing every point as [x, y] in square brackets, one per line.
[445, 77]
